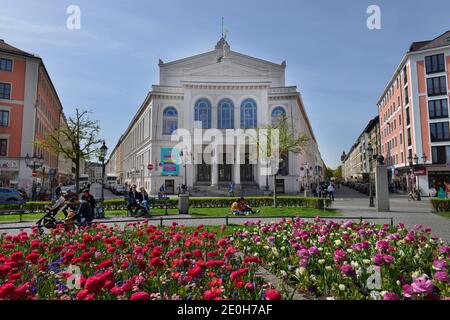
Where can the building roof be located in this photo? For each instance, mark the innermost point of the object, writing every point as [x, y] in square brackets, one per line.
[441, 41]
[5, 47]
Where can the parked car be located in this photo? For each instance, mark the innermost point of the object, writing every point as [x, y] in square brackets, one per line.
[120, 190]
[71, 188]
[10, 196]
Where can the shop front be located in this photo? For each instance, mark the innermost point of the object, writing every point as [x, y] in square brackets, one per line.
[9, 173]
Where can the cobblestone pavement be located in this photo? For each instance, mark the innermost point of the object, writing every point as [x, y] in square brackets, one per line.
[349, 202]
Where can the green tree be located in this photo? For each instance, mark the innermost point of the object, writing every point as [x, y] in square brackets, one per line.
[288, 142]
[78, 140]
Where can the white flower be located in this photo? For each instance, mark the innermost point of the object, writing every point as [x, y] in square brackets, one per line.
[337, 242]
[367, 261]
[321, 261]
[349, 250]
[328, 268]
[341, 287]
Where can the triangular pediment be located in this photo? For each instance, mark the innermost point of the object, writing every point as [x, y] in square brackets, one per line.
[226, 69]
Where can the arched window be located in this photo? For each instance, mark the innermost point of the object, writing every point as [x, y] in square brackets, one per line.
[248, 114]
[203, 113]
[170, 120]
[277, 114]
[225, 117]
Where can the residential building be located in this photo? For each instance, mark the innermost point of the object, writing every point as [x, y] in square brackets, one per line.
[414, 118]
[29, 107]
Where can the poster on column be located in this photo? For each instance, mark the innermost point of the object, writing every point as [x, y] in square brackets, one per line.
[169, 160]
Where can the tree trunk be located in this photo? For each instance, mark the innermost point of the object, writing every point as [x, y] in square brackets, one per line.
[274, 191]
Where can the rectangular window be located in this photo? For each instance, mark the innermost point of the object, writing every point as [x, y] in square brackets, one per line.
[409, 137]
[3, 147]
[5, 91]
[435, 64]
[439, 132]
[5, 65]
[406, 96]
[408, 120]
[401, 139]
[440, 155]
[4, 118]
[436, 86]
[405, 76]
[438, 108]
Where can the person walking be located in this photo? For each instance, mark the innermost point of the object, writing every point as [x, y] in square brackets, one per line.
[231, 187]
[330, 190]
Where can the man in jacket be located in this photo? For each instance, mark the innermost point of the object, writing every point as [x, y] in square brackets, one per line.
[134, 199]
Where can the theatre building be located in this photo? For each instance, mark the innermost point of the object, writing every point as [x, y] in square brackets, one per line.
[220, 89]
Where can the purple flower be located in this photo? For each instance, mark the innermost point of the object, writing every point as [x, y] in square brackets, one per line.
[390, 296]
[444, 249]
[439, 264]
[313, 250]
[442, 276]
[422, 285]
[339, 255]
[347, 270]
[302, 253]
[407, 290]
[378, 259]
[388, 258]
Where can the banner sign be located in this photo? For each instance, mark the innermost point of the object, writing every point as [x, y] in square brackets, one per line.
[420, 171]
[169, 160]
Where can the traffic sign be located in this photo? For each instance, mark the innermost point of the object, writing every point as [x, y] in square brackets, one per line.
[150, 167]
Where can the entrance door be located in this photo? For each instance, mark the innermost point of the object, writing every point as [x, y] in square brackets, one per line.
[170, 186]
[225, 170]
[279, 186]
[204, 172]
[247, 170]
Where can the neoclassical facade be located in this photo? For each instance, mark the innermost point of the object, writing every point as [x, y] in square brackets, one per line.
[222, 90]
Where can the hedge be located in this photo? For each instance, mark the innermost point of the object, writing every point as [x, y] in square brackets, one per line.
[440, 205]
[172, 203]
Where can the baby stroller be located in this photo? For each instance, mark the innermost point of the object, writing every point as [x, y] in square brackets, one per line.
[49, 220]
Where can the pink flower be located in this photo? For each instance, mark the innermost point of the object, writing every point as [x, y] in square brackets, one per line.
[378, 259]
[422, 285]
[439, 264]
[140, 296]
[390, 296]
[442, 276]
[339, 255]
[347, 270]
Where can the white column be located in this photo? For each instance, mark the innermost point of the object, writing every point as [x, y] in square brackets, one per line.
[237, 166]
[215, 168]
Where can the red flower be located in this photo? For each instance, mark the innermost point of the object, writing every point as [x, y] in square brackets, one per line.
[4, 270]
[140, 296]
[212, 294]
[105, 264]
[273, 294]
[238, 273]
[195, 271]
[95, 284]
[17, 256]
[252, 259]
[6, 290]
[157, 262]
[32, 257]
[116, 291]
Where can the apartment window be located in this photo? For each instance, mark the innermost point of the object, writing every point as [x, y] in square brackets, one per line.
[406, 96]
[439, 132]
[440, 155]
[438, 109]
[4, 118]
[435, 63]
[400, 120]
[5, 91]
[405, 76]
[3, 147]
[401, 139]
[5, 65]
[408, 120]
[436, 86]
[409, 137]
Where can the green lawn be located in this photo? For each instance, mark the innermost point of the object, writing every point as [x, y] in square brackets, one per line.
[444, 214]
[266, 212]
[196, 212]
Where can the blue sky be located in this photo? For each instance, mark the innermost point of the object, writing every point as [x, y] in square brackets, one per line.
[339, 66]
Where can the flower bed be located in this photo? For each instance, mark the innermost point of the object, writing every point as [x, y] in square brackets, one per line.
[351, 261]
[141, 262]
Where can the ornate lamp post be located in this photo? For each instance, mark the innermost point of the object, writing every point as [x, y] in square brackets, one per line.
[369, 152]
[34, 164]
[185, 155]
[102, 156]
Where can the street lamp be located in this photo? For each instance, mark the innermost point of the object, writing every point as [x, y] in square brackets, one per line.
[34, 164]
[184, 154]
[369, 151]
[414, 162]
[102, 156]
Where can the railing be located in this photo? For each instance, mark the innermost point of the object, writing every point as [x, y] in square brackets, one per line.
[161, 220]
